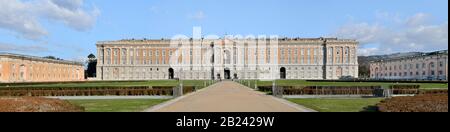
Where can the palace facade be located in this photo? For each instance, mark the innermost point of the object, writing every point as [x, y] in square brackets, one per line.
[427, 66]
[205, 59]
[23, 68]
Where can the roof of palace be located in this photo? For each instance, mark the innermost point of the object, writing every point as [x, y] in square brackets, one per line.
[417, 55]
[28, 57]
[167, 41]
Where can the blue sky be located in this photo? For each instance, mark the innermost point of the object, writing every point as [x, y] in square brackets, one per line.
[70, 29]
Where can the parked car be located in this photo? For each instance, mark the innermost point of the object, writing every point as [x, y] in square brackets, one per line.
[347, 78]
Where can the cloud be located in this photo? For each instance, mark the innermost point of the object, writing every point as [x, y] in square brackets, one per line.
[200, 15]
[68, 4]
[19, 48]
[16, 16]
[22, 17]
[414, 33]
[70, 13]
[368, 51]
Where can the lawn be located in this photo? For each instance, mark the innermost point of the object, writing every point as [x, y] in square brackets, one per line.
[119, 105]
[116, 84]
[339, 105]
[311, 83]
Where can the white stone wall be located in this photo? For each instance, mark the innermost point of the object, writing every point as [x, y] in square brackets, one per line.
[246, 62]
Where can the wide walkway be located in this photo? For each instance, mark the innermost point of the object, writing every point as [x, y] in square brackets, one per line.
[228, 96]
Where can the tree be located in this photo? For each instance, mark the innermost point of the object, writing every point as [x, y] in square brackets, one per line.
[91, 57]
[52, 57]
[92, 66]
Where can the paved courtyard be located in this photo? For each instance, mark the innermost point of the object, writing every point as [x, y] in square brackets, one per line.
[228, 96]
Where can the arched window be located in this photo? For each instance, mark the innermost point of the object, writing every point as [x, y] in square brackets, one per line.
[283, 73]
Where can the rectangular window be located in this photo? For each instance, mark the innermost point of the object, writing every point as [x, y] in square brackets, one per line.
[331, 55]
[124, 56]
[289, 56]
[268, 55]
[347, 50]
[308, 53]
[338, 53]
[108, 56]
[131, 56]
[116, 59]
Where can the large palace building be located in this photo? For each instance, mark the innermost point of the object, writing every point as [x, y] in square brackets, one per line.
[426, 66]
[22, 68]
[204, 59]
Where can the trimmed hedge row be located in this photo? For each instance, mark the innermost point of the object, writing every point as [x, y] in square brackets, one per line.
[434, 91]
[76, 82]
[83, 88]
[129, 91]
[326, 90]
[381, 81]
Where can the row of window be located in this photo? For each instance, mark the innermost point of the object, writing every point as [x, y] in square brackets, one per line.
[44, 76]
[410, 66]
[432, 73]
[41, 68]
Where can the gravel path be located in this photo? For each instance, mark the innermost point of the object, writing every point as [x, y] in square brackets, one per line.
[228, 96]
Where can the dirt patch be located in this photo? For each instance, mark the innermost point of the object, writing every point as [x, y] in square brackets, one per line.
[419, 103]
[36, 104]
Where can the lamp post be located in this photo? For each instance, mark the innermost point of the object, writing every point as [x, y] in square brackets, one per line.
[180, 90]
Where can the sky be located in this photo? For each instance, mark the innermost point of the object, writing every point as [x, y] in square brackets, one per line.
[69, 29]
